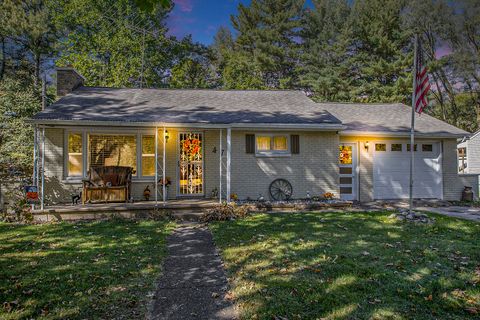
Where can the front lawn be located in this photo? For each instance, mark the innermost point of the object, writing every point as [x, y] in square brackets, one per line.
[351, 266]
[95, 270]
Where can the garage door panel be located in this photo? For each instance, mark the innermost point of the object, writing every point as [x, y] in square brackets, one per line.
[391, 173]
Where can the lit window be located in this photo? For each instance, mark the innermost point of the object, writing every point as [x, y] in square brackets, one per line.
[396, 147]
[427, 147]
[113, 150]
[280, 143]
[75, 154]
[272, 144]
[345, 155]
[148, 156]
[380, 147]
[414, 148]
[263, 143]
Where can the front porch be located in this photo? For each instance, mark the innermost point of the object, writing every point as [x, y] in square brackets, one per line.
[183, 209]
[185, 165]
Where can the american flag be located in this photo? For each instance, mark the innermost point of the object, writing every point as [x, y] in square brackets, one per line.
[422, 85]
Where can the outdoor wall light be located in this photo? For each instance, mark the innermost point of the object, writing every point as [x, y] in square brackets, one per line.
[214, 150]
[166, 136]
[366, 145]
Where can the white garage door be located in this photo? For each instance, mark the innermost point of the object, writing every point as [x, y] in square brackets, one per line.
[391, 170]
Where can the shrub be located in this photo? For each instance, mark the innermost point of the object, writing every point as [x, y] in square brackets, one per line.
[17, 209]
[158, 214]
[225, 211]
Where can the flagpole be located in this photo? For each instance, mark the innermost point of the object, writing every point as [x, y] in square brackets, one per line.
[412, 128]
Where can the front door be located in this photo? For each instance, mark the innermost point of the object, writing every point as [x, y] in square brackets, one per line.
[190, 163]
[347, 164]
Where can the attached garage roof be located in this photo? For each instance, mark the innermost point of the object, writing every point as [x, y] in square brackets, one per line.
[175, 106]
[388, 120]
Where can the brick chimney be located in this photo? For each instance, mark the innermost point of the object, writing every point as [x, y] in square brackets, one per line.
[68, 79]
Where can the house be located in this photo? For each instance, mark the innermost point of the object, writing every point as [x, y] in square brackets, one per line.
[468, 150]
[223, 142]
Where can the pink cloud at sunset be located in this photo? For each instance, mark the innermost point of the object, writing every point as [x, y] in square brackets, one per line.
[184, 5]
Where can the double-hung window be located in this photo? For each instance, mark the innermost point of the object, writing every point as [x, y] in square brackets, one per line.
[148, 155]
[272, 144]
[112, 150]
[74, 154]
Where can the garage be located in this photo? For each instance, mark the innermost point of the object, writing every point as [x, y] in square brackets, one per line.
[391, 170]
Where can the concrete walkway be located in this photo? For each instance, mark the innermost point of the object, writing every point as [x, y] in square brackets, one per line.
[436, 206]
[193, 284]
[467, 213]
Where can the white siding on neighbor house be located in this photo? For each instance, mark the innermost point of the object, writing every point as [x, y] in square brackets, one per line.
[454, 183]
[473, 154]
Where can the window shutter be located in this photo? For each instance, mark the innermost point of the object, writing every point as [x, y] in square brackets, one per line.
[250, 143]
[295, 143]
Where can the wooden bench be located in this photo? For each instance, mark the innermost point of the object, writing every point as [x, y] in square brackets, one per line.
[107, 184]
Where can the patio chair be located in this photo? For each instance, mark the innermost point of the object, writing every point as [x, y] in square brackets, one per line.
[107, 184]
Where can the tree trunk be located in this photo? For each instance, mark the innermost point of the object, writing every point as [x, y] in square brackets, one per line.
[36, 79]
[2, 57]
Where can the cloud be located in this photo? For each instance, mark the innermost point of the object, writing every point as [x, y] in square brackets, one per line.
[184, 5]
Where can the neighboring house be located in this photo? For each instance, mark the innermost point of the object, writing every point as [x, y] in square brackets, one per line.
[468, 150]
[236, 141]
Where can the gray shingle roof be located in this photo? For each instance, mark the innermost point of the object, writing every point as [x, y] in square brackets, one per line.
[237, 107]
[187, 106]
[388, 118]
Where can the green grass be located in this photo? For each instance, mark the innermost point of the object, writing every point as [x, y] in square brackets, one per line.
[95, 270]
[351, 266]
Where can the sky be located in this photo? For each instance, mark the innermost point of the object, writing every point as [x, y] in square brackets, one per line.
[201, 18]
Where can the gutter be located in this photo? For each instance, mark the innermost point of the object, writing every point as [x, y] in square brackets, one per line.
[266, 126]
[437, 135]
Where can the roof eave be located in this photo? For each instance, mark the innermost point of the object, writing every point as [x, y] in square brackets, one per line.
[436, 135]
[246, 126]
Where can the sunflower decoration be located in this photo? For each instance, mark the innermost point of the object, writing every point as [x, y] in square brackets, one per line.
[345, 155]
[192, 147]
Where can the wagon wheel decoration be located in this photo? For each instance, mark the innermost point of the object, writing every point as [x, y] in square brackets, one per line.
[280, 189]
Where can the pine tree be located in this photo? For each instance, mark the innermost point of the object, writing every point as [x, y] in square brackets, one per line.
[267, 31]
[381, 54]
[324, 53]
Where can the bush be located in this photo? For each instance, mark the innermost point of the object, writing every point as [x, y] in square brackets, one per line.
[17, 209]
[225, 211]
[158, 214]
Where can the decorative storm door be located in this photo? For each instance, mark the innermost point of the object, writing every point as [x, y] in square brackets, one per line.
[191, 164]
[347, 164]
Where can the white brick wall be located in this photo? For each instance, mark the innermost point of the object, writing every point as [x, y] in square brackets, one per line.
[314, 169]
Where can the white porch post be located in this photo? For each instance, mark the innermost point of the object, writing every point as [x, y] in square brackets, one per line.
[220, 167]
[35, 159]
[229, 161]
[164, 187]
[156, 165]
[42, 200]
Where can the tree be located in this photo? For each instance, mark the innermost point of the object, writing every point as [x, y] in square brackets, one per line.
[240, 72]
[325, 41]
[19, 100]
[30, 24]
[111, 42]
[189, 74]
[267, 31]
[381, 52]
